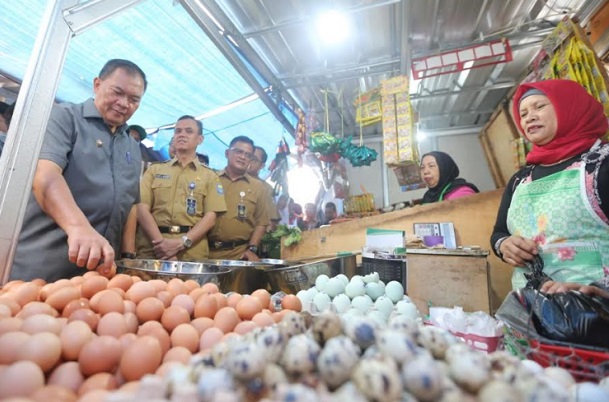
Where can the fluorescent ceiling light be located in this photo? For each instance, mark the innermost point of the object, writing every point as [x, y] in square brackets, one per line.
[333, 27]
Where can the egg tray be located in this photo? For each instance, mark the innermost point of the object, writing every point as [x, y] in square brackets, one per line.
[584, 363]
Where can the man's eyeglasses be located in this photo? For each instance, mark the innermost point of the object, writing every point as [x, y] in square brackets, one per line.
[240, 152]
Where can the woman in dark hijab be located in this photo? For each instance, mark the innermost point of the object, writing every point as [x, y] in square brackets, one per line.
[440, 173]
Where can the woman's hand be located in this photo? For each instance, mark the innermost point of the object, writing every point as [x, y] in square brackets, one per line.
[563, 287]
[516, 250]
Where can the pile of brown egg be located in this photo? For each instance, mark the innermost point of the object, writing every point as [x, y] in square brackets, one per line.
[78, 339]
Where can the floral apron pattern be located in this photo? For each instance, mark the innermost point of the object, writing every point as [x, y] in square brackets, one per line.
[555, 211]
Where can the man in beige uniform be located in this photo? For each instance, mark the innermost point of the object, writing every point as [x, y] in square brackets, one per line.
[238, 232]
[180, 201]
[256, 165]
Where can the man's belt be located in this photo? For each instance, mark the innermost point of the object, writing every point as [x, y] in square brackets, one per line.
[225, 245]
[174, 229]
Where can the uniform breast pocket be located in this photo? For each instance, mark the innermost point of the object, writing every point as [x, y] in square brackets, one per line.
[200, 195]
[161, 192]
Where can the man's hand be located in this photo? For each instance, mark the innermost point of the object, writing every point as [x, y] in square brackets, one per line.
[86, 248]
[108, 273]
[250, 256]
[516, 250]
[164, 249]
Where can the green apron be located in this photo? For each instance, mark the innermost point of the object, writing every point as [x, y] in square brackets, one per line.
[555, 212]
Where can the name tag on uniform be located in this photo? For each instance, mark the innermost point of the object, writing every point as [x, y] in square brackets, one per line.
[162, 176]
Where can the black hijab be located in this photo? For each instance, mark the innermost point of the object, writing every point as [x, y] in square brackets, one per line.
[449, 173]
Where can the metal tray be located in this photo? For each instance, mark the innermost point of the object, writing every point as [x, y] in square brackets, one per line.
[292, 279]
[167, 270]
[245, 276]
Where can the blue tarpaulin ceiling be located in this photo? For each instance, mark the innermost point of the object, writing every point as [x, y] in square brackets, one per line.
[187, 74]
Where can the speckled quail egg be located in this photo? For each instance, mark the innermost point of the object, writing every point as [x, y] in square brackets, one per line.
[372, 277]
[378, 379]
[375, 290]
[406, 324]
[407, 309]
[334, 287]
[457, 349]
[394, 291]
[245, 361]
[321, 301]
[300, 354]
[271, 341]
[361, 330]
[320, 282]
[436, 340]
[560, 375]
[213, 381]
[397, 345]
[540, 388]
[499, 391]
[362, 303]
[471, 370]
[341, 303]
[355, 288]
[337, 359]
[325, 326]
[384, 305]
[348, 392]
[589, 392]
[295, 393]
[273, 375]
[422, 377]
[293, 323]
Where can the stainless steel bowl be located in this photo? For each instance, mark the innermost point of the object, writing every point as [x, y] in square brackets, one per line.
[292, 279]
[167, 270]
[245, 276]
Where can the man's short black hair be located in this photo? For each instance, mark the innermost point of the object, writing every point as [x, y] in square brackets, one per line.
[128, 66]
[331, 205]
[264, 155]
[241, 138]
[199, 122]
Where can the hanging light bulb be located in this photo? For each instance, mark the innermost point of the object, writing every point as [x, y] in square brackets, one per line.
[333, 27]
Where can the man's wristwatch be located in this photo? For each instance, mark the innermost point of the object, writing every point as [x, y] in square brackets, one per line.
[253, 248]
[130, 256]
[497, 246]
[186, 242]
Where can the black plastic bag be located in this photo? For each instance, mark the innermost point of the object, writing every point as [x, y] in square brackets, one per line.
[571, 317]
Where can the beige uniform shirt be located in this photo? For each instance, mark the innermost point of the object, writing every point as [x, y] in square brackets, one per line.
[165, 187]
[273, 213]
[229, 228]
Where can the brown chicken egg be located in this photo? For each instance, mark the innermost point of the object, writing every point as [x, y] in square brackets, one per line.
[74, 305]
[61, 297]
[67, 375]
[42, 348]
[87, 316]
[92, 285]
[226, 319]
[205, 306]
[10, 345]
[185, 301]
[143, 357]
[120, 281]
[112, 324]
[98, 381]
[53, 393]
[73, 337]
[248, 307]
[37, 307]
[20, 379]
[41, 323]
[149, 309]
[100, 354]
[187, 336]
[107, 301]
[174, 316]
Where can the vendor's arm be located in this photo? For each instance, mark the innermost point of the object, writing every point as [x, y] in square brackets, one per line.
[459, 192]
[86, 247]
[563, 287]
[168, 248]
[514, 250]
[128, 245]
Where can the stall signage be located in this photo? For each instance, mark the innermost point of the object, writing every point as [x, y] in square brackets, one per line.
[484, 54]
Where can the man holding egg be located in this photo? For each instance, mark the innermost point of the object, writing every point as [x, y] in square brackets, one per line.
[86, 182]
[180, 200]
